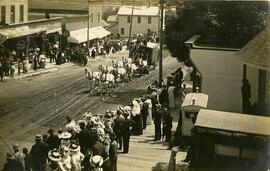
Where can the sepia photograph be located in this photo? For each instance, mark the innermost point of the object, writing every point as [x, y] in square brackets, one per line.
[134, 85]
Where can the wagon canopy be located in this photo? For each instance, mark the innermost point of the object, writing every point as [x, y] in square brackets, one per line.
[233, 122]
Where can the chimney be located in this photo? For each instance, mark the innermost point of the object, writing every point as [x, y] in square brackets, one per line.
[193, 101]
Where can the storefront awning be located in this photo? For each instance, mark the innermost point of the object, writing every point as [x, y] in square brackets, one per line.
[8, 33]
[80, 35]
[19, 31]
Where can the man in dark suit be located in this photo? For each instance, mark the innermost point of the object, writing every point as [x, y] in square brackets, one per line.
[127, 123]
[117, 128]
[11, 164]
[157, 121]
[99, 149]
[83, 137]
[53, 140]
[39, 152]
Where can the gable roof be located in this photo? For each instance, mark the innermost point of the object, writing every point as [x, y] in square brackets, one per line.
[233, 122]
[257, 52]
[139, 11]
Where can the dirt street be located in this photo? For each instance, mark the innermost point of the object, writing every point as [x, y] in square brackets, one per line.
[34, 104]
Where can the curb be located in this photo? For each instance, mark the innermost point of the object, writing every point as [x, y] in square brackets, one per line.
[40, 72]
[36, 73]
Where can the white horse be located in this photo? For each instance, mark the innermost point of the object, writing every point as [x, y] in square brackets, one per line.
[93, 78]
[107, 82]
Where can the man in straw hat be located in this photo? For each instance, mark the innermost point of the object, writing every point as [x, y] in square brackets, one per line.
[126, 124]
[39, 153]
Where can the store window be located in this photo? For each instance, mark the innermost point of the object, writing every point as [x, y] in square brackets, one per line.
[98, 17]
[21, 13]
[139, 19]
[3, 14]
[122, 31]
[128, 19]
[92, 17]
[149, 20]
[12, 14]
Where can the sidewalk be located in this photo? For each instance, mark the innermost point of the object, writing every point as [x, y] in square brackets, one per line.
[49, 67]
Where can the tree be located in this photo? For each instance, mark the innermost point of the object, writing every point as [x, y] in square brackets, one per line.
[220, 23]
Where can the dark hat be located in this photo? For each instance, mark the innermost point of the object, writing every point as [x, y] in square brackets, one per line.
[50, 131]
[9, 156]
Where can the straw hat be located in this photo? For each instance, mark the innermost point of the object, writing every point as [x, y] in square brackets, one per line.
[16, 146]
[66, 135]
[74, 147]
[54, 155]
[96, 160]
[38, 137]
[127, 108]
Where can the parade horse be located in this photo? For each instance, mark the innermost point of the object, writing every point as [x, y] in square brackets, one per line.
[130, 69]
[107, 83]
[94, 79]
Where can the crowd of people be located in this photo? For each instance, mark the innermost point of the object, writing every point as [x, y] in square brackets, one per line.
[94, 141]
[20, 60]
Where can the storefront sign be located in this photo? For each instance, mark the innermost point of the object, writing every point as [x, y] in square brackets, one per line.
[50, 26]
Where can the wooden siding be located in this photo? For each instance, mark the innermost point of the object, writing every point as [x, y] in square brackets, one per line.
[222, 78]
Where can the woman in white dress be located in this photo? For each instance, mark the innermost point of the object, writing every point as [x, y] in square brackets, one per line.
[76, 157]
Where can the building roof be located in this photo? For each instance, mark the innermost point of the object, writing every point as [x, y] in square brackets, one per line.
[233, 122]
[112, 18]
[60, 5]
[139, 11]
[257, 52]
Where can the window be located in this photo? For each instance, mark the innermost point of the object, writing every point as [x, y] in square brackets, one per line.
[139, 19]
[98, 17]
[12, 14]
[92, 17]
[3, 14]
[128, 19]
[149, 20]
[21, 13]
[122, 31]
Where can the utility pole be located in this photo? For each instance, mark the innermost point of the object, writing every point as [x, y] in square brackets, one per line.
[161, 5]
[88, 27]
[131, 21]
